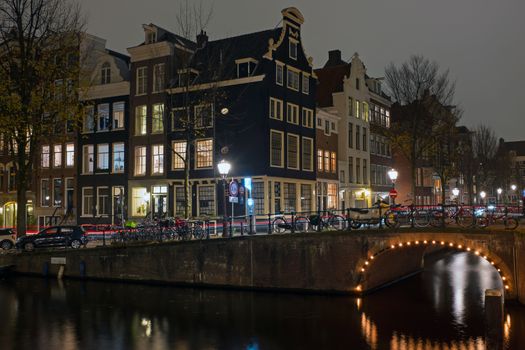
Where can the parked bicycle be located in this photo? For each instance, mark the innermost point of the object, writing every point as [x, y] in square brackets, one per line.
[491, 216]
[458, 214]
[407, 215]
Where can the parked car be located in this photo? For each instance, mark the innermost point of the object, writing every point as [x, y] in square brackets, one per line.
[7, 238]
[55, 236]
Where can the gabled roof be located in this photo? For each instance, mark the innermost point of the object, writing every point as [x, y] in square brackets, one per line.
[330, 81]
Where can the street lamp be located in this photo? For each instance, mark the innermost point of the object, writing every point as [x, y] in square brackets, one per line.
[499, 191]
[392, 174]
[482, 194]
[224, 168]
[455, 193]
[513, 187]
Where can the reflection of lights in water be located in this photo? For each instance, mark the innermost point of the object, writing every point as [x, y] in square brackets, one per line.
[369, 331]
[358, 303]
[147, 325]
[407, 342]
[506, 329]
[252, 346]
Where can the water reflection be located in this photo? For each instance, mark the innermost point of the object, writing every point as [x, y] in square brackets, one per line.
[439, 309]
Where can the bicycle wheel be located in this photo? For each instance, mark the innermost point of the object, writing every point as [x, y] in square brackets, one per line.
[355, 224]
[391, 219]
[465, 220]
[198, 232]
[510, 223]
[421, 218]
[301, 224]
[279, 225]
[337, 222]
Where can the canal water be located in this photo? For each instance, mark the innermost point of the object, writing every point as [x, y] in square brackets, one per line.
[441, 308]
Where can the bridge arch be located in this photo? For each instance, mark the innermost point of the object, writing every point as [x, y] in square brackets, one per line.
[382, 264]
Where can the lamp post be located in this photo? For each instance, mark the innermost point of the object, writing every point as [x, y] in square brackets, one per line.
[455, 193]
[499, 191]
[224, 168]
[482, 195]
[392, 174]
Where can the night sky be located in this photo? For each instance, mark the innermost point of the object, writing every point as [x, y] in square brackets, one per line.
[482, 42]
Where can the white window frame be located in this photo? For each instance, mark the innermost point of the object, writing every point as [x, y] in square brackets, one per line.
[157, 153]
[101, 159]
[84, 213]
[308, 118]
[197, 153]
[279, 65]
[178, 156]
[281, 133]
[97, 205]
[87, 168]
[113, 157]
[45, 162]
[141, 120]
[143, 161]
[294, 42]
[292, 118]
[142, 81]
[306, 84]
[293, 84]
[277, 109]
[289, 141]
[70, 155]
[155, 115]
[156, 76]
[311, 140]
[120, 116]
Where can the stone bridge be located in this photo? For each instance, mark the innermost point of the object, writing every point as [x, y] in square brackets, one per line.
[352, 262]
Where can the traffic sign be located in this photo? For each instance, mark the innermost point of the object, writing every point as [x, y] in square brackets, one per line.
[392, 193]
[234, 199]
[234, 188]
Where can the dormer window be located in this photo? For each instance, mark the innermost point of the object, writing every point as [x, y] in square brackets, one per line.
[293, 48]
[245, 67]
[105, 74]
[151, 37]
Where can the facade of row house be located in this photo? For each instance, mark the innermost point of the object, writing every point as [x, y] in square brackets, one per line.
[328, 174]
[251, 100]
[102, 166]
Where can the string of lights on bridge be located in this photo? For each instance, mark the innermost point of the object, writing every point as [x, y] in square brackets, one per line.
[432, 242]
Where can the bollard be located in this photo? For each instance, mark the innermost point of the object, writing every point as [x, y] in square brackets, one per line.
[292, 229]
[269, 223]
[494, 319]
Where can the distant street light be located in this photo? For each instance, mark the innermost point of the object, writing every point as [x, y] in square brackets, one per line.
[513, 187]
[499, 191]
[455, 191]
[392, 174]
[224, 168]
[482, 195]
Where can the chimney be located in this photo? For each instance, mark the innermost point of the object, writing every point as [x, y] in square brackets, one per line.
[202, 39]
[334, 55]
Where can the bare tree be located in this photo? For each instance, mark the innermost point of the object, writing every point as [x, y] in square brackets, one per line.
[39, 70]
[485, 146]
[420, 91]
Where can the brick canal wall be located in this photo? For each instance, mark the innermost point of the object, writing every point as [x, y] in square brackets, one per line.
[313, 262]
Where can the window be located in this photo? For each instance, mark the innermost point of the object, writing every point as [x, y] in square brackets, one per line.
[157, 118]
[308, 118]
[103, 203]
[357, 83]
[357, 109]
[332, 196]
[203, 116]
[11, 180]
[57, 192]
[103, 117]
[87, 201]
[290, 197]
[70, 193]
[342, 176]
[118, 202]
[118, 157]
[157, 159]
[327, 161]
[373, 179]
[179, 119]
[306, 197]
[365, 111]
[276, 109]
[307, 157]
[293, 79]
[350, 169]
[293, 150]
[206, 198]
[357, 137]
[180, 201]
[258, 197]
[70, 155]
[292, 113]
[276, 148]
[103, 156]
[179, 154]
[140, 160]
[87, 159]
[89, 119]
[45, 199]
[306, 83]
[350, 135]
[320, 160]
[57, 156]
[142, 80]
[279, 74]
[118, 115]
[158, 77]
[350, 107]
[204, 153]
[327, 127]
[151, 37]
[140, 120]
[292, 48]
[358, 170]
[45, 161]
[365, 141]
[320, 123]
[333, 162]
[140, 200]
[105, 73]
[365, 172]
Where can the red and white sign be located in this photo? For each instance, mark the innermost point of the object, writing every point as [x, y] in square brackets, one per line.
[392, 193]
[234, 188]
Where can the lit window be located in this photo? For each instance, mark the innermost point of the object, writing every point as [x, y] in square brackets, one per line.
[333, 162]
[276, 109]
[87, 201]
[45, 199]
[308, 149]
[350, 107]
[365, 111]
[118, 115]
[320, 160]
[89, 119]
[105, 73]
[140, 160]
[45, 156]
[103, 117]
[332, 196]
[87, 159]
[293, 151]
[279, 74]
[327, 161]
[293, 48]
[357, 109]
[203, 116]
[157, 118]
[204, 154]
[140, 120]
[142, 80]
[57, 156]
[70, 154]
[158, 77]
[179, 155]
[57, 192]
[306, 197]
[292, 113]
[276, 145]
[157, 159]
[308, 118]
[103, 203]
[140, 199]
[293, 79]
[118, 157]
[103, 156]
[306, 84]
